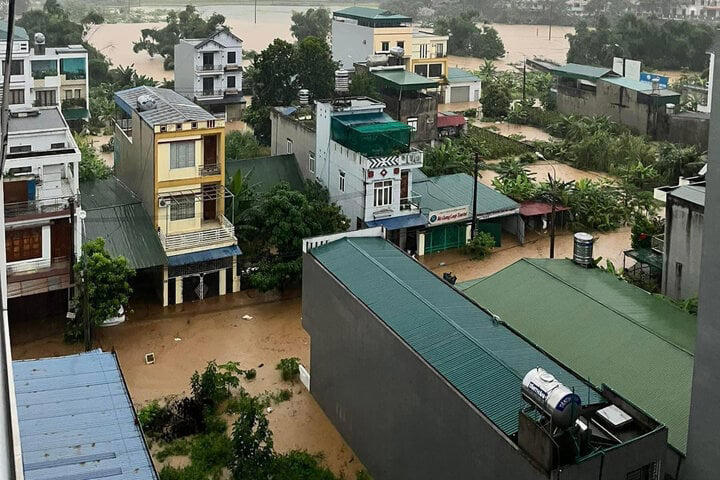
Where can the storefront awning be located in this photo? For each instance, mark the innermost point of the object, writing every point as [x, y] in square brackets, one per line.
[397, 223]
[203, 256]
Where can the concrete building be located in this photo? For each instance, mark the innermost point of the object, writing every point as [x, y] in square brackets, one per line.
[463, 90]
[429, 54]
[209, 72]
[359, 32]
[40, 183]
[423, 383]
[43, 76]
[293, 132]
[607, 331]
[171, 153]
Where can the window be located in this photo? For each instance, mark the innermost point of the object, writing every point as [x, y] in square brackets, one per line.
[182, 207]
[20, 149]
[231, 57]
[401, 44]
[421, 70]
[439, 50]
[44, 98]
[178, 126]
[77, 93]
[423, 50]
[182, 154]
[68, 94]
[57, 145]
[23, 244]
[72, 68]
[647, 472]
[19, 171]
[342, 182]
[231, 82]
[384, 46]
[435, 70]
[43, 68]
[383, 193]
[193, 125]
[17, 67]
[413, 123]
[311, 162]
[17, 96]
[289, 147]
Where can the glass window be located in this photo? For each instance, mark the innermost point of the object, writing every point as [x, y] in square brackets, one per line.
[43, 68]
[182, 154]
[423, 50]
[440, 50]
[383, 193]
[68, 94]
[435, 70]
[77, 93]
[413, 123]
[384, 46]
[17, 67]
[342, 181]
[231, 57]
[311, 162]
[401, 44]
[289, 146]
[182, 207]
[421, 70]
[20, 149]
[73, 68]
[17, 96]
[231, 82]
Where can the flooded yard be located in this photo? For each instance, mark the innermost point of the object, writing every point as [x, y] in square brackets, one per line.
[541, 170]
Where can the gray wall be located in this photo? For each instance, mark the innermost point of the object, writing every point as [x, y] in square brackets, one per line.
[703, 453]
[303, 141]
[351, 43]
[185, 70]
[683, 243]
[135, 162]
[690, 128]
[423, 107]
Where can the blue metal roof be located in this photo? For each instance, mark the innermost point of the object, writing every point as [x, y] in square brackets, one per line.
[396, 223]
[482, 358]
[77, 421]
[203, 256]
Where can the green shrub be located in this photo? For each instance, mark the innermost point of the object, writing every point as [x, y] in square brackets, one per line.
[480, 246]
[250, 374]
[289, 368]
[177, 447]
[153, 417]
[300, 465]
[643, 229]
[281, 396]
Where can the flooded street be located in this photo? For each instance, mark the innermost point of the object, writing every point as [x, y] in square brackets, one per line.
[506, 129]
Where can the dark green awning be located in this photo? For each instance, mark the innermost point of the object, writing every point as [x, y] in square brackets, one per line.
[76, 114]
[404, 80]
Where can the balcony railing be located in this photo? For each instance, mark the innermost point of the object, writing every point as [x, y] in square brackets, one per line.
[32, 208]
[209, 170]
[411, 202]
[224, 232]
[125, 124]
[657, 244]
[209, 67]
[210, 93]
[34, 265]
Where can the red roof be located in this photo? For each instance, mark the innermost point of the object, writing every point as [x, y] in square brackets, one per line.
[444, 120]
[530, 209]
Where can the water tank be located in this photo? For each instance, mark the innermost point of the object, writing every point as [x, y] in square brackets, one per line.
[669, 108]
[146, 102]
[552, 397]
[342, 81]
[397, 52]
[304, 96]
[39, 39]
[377, 60]
[583, 249]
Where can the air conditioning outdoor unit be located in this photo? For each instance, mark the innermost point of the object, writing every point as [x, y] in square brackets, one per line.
[163, 202]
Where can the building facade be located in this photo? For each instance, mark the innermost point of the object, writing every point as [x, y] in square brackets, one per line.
[43, 76]
[40, 184]
[209, 72]
[429, 54]
[171, 153]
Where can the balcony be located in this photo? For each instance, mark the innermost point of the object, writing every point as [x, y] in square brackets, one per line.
[214, 232]
[30, 277]
[657, 244]
[209, 93]
[18, 211]
[232, 67]
[410, 203]
[209, 68]
[209, 170]
[413, 158]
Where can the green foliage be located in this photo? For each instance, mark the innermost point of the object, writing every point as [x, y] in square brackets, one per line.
[675, 161]
[103, 288]
[467, 39]
[153, 417]
[300, 465]
[252, 443]
[492, 145]
[258, 118]
[644, 228]
[273, 75]
[520, 187]
[180, 24]
[315, 67]
[289, 368]
[250, 374]
[209, 455]
[313, 22]
[689, 305]
[447, 158]
[175, 448]
[363, 85]
[525, 114]
[660, 44]
[239, 145]
[281, 396]
[92, 166]
[481, 246]
[495, 100]
[214, 384]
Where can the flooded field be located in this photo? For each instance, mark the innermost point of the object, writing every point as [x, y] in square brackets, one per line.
[541, 170]
[507, 129]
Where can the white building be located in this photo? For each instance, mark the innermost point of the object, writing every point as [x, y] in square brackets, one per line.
[365, 160]
[40, 183]
[209, 72]
[42, 76]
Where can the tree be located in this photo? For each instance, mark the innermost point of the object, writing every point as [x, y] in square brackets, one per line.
[239, 145]
[315, 67]
[258, 118]
[311, 23]
[184, 24]
[252, 442]
[92, 167]
[103, 287]
[240, 211]
[467, 39]
[274, 75]
[445, 159]
[363, 85]
[495, 100]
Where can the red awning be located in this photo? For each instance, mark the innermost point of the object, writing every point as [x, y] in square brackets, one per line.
[450, 121]
[530, 209]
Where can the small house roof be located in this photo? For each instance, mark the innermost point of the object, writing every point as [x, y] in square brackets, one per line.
[578, 71]
[373, 14]
[456, 190]
[266, 172]
[171, 107]
[404, 80]
[459, 75]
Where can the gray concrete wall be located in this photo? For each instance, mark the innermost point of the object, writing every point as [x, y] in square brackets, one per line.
[703, 452]
[351, 43]
[185, 70]
[689, 128]
[683, 244]
[424, 108]
[135, 162]
[303, 139]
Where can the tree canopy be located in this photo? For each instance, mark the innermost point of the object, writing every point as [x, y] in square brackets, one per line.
[467, 39]
[315, 67]
[311, 23]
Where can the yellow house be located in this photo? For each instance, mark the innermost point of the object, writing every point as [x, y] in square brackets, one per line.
[171, 152]
[429, 54]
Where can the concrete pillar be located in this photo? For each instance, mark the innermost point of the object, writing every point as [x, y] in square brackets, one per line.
[421, 244]
[235, 277]
[165, 287]
[223, 277]
[468, 232]
[178, 290]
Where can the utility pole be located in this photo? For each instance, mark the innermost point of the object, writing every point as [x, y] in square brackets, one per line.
[524, 76]
[255, 11]
[474, 201]
[552, 228]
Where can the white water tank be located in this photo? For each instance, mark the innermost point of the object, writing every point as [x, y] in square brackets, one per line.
[304, 96]
[583, 249]
[342, 81]
[555, 399]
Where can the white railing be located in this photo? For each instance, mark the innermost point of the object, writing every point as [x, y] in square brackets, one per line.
[199, 238]
[33, 265]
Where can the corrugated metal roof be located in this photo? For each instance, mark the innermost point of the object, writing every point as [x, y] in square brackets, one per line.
[19, 33]
[371, 14]
[575, 70]
[450, 191]
[77, 421]
[171, 106]
[690, 193]
[266, 172]
[459, 75]
[404, 80]
[115, 214]
[484, 360]
[639, 86]
[605, 329]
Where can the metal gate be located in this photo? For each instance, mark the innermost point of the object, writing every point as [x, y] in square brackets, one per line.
[444, 237]
[459, 94]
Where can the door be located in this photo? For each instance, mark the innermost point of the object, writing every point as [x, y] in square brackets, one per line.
[209, 202]
[45, 98]
[404, 200]
[208, 85]
[459, 94]
[15, 192]
[23, 244]
[210, 150]
[60, 239]
[444, 237]
[208, 61]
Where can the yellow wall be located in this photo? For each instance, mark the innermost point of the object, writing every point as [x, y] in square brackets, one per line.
[393, 35]
[180, 226]
[163, 160]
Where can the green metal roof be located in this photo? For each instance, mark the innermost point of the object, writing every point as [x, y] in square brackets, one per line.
[459, 75]
[19, 33]
[603, 328]
[484, 360]
[450, 191]
[375, 15]
[577, 71]
[76, 114]
[115, 214]
[266, 172]
[404, 80]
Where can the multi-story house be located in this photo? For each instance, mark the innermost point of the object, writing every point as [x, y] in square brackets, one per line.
[429, 54]
[43, 76]
[209, 72]
[40, 193]
[359, 32]
[171, 153]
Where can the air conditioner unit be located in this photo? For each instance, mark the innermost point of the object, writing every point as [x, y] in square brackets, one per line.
[163, 202]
